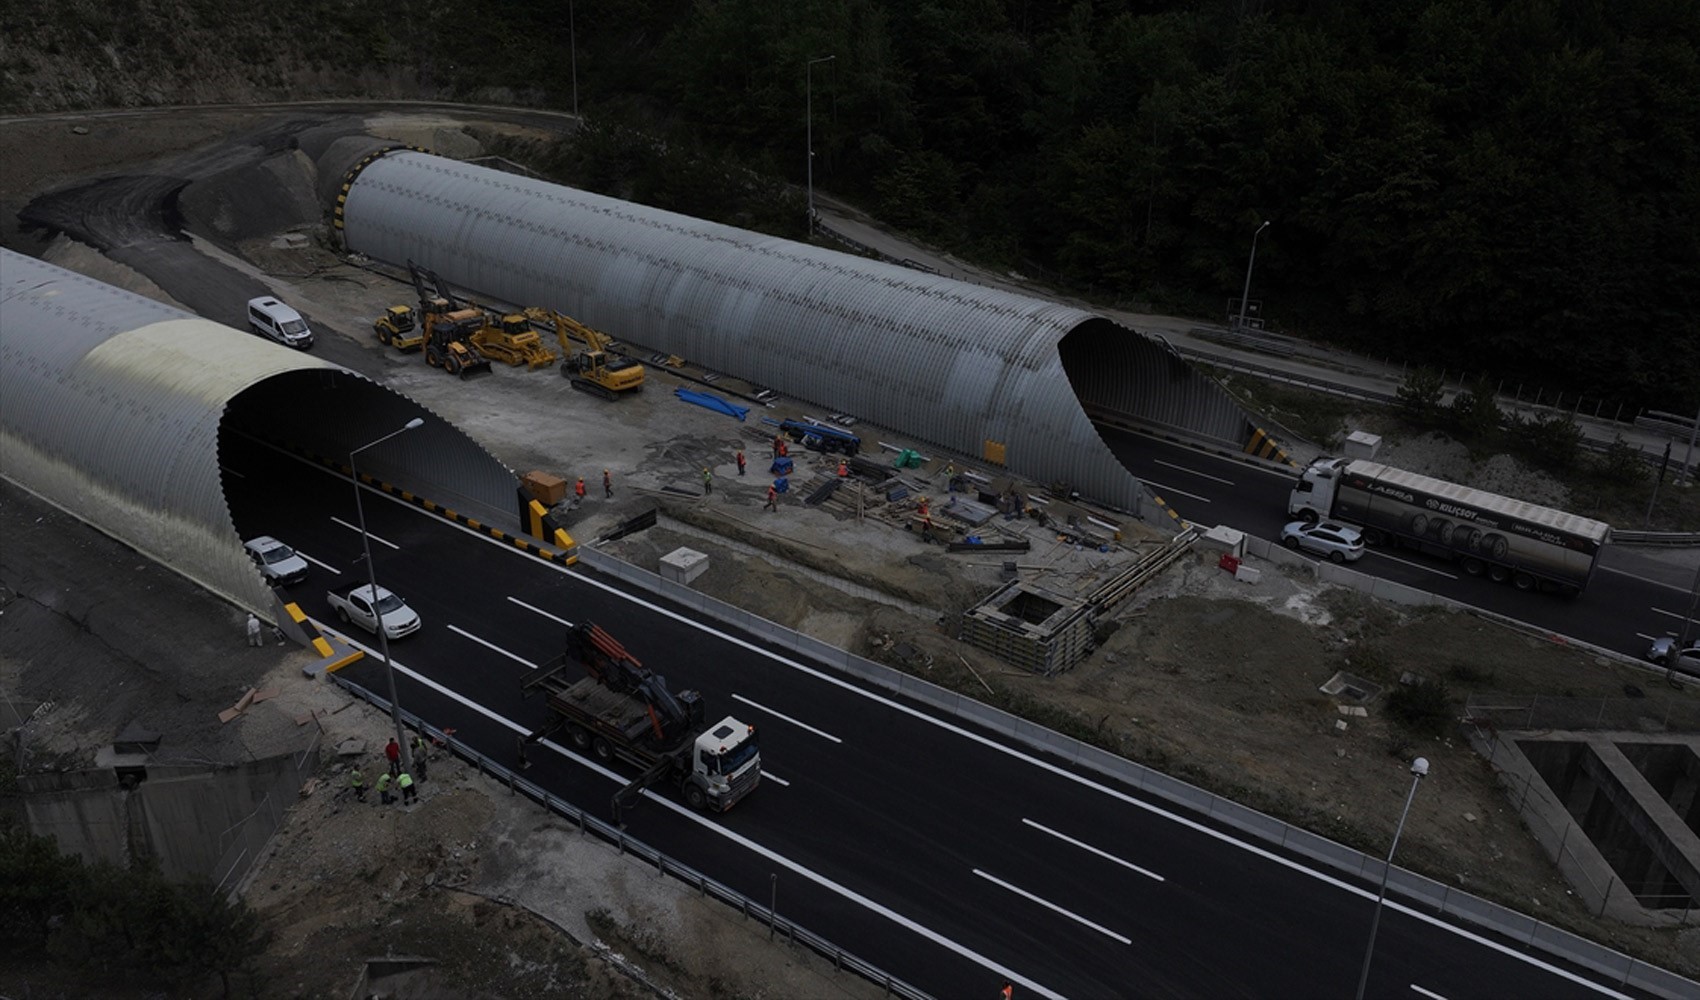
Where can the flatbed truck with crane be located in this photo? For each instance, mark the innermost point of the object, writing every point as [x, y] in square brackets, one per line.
[612, 707]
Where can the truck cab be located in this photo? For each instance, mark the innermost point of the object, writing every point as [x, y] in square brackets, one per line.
[725, 765]
[1313, 494]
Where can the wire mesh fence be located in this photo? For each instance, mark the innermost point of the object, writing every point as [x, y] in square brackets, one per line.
[1536, 712]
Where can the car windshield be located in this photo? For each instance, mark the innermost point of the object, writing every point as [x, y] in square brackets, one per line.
[273, 556]
[389, 603]
[294, 326]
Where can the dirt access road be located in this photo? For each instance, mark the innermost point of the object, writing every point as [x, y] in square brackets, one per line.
[1205, 677]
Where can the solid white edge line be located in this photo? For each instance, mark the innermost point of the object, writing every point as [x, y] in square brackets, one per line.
[487, 644]
[1407, 562]
[1107, 856]
[1117, 794]
[737, 838]
[1195, 472]
[1176, 492]
[1047, 904]
[316, 562]
[1427, 993]
[758, 706]
[537, 610]
[375, 538]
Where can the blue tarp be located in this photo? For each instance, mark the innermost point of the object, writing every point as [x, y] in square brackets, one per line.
[712, 402]
[781, 466]
[782, 485]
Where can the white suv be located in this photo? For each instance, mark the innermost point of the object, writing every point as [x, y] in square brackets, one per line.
[1684, 661]
[1339, 542]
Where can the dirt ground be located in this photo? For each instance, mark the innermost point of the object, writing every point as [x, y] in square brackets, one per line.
[1202, 676]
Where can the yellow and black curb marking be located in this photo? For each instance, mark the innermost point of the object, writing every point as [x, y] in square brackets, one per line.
[1164, 504]
[353, 172]
[568, 549]
[294, 623]
[1263, 445]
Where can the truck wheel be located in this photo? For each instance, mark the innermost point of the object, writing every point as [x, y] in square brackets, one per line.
[579, 737]
[1499, 574]
[1523, 581]
[603, 751]
[695, 797]
[1474, 567]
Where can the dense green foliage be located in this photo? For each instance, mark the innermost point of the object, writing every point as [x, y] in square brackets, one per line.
[1502, 187]
[112, 921]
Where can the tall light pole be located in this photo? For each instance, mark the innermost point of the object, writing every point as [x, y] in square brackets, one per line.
[572, 43]
[1419, 768]
[809, 89]
[1245, 292]
[372, 578]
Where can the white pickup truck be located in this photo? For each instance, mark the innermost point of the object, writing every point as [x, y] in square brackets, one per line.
[356, 605]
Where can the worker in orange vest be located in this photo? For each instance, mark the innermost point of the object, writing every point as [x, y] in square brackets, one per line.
[740, 461]
[1008, 991]
[607, 484]
[772, 499]
[579, 488]
[843, 470]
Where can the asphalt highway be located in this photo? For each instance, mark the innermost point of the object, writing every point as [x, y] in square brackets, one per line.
[1628, 601]
[940, 852]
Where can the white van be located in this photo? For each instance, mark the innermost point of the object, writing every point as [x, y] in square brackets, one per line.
[270, 318]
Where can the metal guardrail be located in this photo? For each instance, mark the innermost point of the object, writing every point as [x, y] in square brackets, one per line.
[841, 960]
[1665, 539]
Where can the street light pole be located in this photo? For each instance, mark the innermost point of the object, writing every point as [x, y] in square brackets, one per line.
[809, 140]
[372, 578]
[1245, 292]
[572, 43]
[1419, 768]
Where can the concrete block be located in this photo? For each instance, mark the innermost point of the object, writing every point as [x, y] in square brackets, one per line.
[683, 565]
[1248, 574]
[1223, 539]
[1362, 444]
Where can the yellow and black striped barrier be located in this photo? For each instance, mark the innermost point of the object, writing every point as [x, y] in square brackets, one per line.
[1263, 445]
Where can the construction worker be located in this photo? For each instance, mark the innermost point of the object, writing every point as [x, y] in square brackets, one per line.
[254, 630]
[843, 469]
[772, 499]
[740, 462]
[392, 753]
[778, 443]
[607, 485]
[404, 781]
[950, 477]
[1008, 991]
[421, 754]
[357, 781]
[707, 482]
[578, 488]
[384, 795]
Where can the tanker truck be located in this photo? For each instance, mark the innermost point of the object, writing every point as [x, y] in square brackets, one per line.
[1509, 541]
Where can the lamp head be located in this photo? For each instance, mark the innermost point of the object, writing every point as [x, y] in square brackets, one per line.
[415, 422]
[1419, 767]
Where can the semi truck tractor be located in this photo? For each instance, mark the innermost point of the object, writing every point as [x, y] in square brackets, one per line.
[615, 709]
[1508, 540]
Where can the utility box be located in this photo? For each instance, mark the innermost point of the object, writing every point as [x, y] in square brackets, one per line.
[683, 565]
[1362, 444]
[1223, 539]
[545, 489]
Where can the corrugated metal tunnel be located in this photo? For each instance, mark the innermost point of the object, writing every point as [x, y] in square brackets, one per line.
[118, 409]
[973, 369]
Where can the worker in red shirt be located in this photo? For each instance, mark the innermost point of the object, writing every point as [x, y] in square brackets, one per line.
[578, 488]
[772, 499]
[843, 470]
[740, 462]
[392, 752]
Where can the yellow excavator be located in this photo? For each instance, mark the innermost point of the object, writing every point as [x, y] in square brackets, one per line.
[591, 362]
[449, 326]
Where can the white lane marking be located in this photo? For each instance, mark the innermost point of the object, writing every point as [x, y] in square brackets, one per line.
[356, 528]
[233, 472]
[316, 562]
[767, 775]
[1670, 614]
[1427, 993]
[1195, 472]
[1171, 489]
[463, 633]
[758, 706]
[1107, 856]
[1047, 904]
[1114, 793]
[1682, 589]
[537, 610]
[1407, 562]
[736, 838]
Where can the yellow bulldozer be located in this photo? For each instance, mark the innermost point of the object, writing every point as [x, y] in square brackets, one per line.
[591, 363]
[449, 327]
[513, 342]
[396, 328]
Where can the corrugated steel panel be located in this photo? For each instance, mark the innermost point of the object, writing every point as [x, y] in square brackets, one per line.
[111, 406]
[946, 361]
